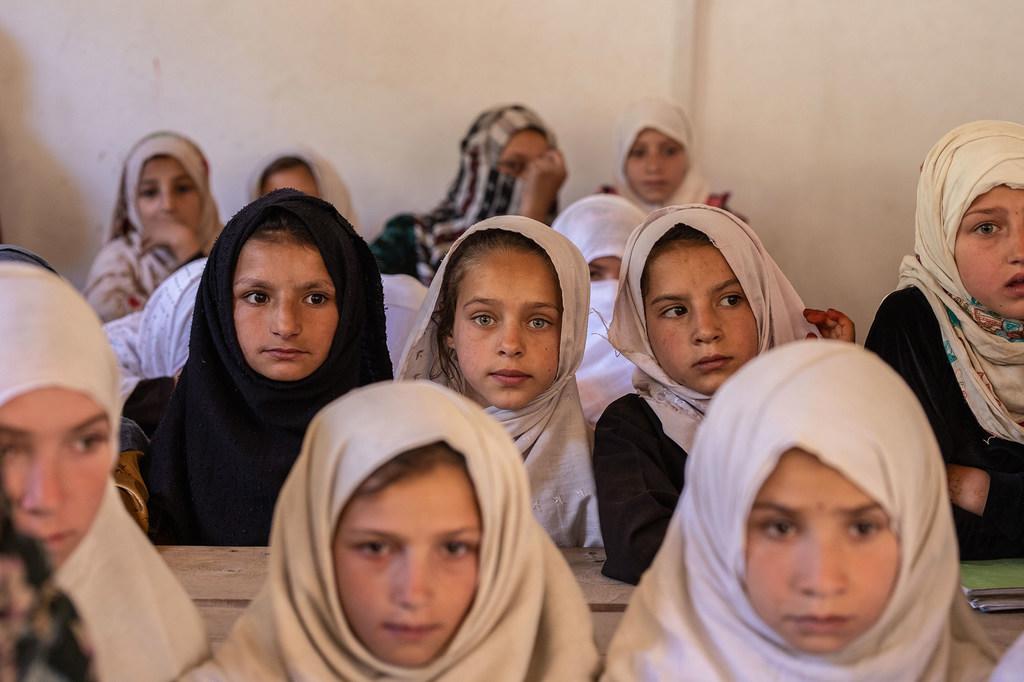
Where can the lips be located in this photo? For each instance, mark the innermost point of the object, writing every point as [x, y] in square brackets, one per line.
[284, 354]
[1016, 284]
[408, 632]
[711, 363]
[820, 625]
[509, 377]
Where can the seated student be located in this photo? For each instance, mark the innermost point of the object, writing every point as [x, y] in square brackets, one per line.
[165, 216]
[304, 171]
[404, 549]
[503, 324]
[700, 297]
[288, 317]
[813, 540]
[508, 164]
[954, 328]
[59, 414]
[599, 226]
[152, 345]
[656, 165]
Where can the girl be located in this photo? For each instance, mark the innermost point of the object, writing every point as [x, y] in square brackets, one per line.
[699, 297]
[503, 324]
[813, 541]
[59, 411]
[165, 216]
[404, 549]
[656, 164]
[599, 226]
[508, 164]
[954, 328]
[288, 317]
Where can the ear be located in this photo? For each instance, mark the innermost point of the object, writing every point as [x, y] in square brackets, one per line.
[449, 341]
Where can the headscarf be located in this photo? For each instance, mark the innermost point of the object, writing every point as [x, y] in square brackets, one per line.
[124, 274]
[230, 435]
[985, 350]
[153, 342]
[550, 431]
[528, 620]
[478, 191]
[670, 120]
[11, 253]
[691, 618]
[777, 308]
[599, 226]
[403, 298]
[142, 624]
[332, 188]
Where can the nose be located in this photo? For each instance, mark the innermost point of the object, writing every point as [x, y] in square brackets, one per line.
[41, 493]
[167, 199]
[286, 322]
[511, 343]
[411, 584]
[707, 325]
[823, 571]
[1017, 241]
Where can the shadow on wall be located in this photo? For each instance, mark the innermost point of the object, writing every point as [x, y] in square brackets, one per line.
[41, 206]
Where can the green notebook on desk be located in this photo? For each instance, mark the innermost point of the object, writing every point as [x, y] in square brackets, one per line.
[995, 585]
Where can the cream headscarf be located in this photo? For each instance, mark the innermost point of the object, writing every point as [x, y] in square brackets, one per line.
[599, 226]
[668, 119]
[141, 622]
[332, 188]
[967, 162]
[690, 618]
[528, 620]
[550, 431]
[778, 310]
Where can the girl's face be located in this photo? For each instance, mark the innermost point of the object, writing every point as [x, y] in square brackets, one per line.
[406, 561]
[286, 310]
[521, 149]
[56, 456]
[605, 267]
[507, 327]
[655, 166]
[989, 251]
[296, 177]
[167, 194]
[700, 325]
[822, 559]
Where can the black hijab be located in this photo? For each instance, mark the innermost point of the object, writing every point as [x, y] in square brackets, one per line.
[230, 435]
[19, 254]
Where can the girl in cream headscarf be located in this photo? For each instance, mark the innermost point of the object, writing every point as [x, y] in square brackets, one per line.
[404, 549]
[504, 323]
[955, 328]
[59, 392]
[165, 216]
[813, 541]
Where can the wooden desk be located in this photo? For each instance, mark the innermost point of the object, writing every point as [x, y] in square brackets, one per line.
[223, 580]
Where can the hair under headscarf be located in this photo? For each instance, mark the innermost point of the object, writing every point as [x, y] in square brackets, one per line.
[332, 188]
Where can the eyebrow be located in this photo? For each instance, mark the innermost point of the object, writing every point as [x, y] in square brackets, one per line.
[848, 511]
[262, 284]
[495, 302]
[176, 178]
[995, 210]
[391, 536]
[12, 431]
[665, 298]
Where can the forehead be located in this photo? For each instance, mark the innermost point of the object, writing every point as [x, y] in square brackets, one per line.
[161, 167]
[511, 275]
[443, 496]
[650, 136]
[802, 480]
[284, 259]
[49, 409]
[999, 197]
[525, 143]
[686, 267]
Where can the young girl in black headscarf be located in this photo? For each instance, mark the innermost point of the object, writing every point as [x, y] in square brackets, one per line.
[289, 316]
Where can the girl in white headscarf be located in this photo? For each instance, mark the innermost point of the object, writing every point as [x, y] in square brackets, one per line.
[655, 160]
[165, 216]
[813, 541]
[60, 375]
[504, 323]
[699, 296]
[955, 328]
[599, 226]
[505, 606]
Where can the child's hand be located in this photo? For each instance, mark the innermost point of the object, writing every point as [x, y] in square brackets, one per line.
[542, 179]
[831, 324]
[968, 487]
[179, 238]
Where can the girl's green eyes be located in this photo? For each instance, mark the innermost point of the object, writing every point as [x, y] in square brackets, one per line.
[488, 321]
[985, 228]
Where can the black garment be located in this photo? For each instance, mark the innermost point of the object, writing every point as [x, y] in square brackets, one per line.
[17, 254]
[639, 475]
[230, 435]
[148, 401]
[906, 334]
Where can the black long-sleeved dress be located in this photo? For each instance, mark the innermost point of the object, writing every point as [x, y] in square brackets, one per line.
[639, 472]
[906, 334]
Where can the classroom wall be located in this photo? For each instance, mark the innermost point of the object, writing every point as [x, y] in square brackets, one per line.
[815, 114]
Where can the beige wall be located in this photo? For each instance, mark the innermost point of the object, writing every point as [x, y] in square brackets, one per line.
[815, 113]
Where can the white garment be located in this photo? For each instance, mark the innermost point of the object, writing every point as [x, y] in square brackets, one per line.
[142, 624]
[967, 162]
[550, 431]
[403, 298]
[528, 620]
[690, 617]
[777, 308]
[670, 120]
[332, 188]
[1011, 664]
[599, 225]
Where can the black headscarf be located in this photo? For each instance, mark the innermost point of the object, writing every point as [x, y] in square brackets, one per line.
[19, 254]
[230, 435]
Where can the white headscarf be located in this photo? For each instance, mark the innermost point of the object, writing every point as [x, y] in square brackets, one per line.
[967, 162]
[528, 620]
[690, 617]
[403, 298]
[141, 622]
[778, 310]
[153, 343]
[670, 120]
[332, 188]
[599, 226]
[550, 431]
